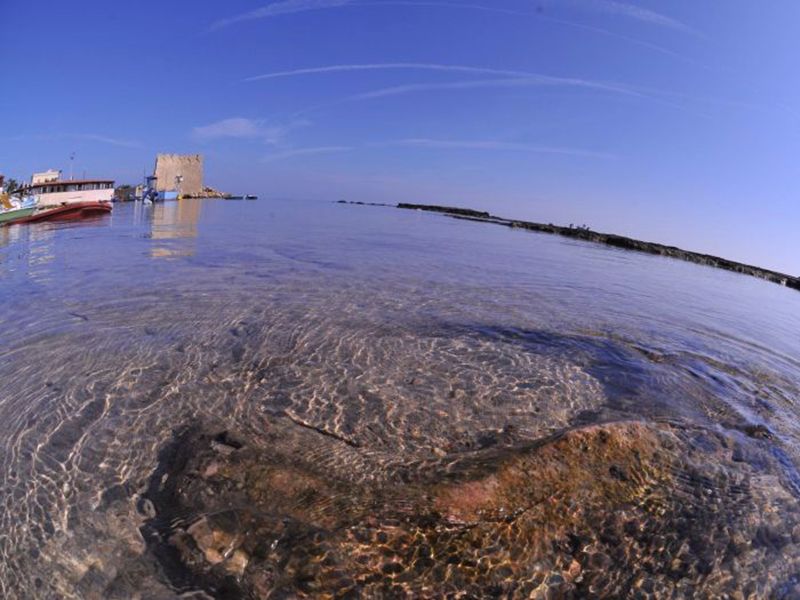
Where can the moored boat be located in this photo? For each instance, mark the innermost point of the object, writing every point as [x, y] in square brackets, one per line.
[47, 198]
[12, 215]
[67, 212]
[56, 193]
[13, 209]
[149, 191]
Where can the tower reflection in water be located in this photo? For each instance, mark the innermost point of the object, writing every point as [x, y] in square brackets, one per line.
[174, 227]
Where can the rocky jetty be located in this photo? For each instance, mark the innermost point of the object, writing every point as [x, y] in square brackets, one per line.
[207, 192]
[617, 241]
[626, 509]
[448, 210]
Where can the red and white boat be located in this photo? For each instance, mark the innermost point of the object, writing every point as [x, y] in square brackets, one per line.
[59, 193]
[67, 212]
[68, 200]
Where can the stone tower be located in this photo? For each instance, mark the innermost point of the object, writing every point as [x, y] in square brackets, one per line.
[189, 167]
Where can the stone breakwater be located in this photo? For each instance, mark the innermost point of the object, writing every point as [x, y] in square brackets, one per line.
[617, 241]
[626, 509]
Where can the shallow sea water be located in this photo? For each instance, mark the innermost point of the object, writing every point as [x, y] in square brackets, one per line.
[283, 399]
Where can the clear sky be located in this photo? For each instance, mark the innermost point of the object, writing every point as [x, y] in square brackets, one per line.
[676, 122]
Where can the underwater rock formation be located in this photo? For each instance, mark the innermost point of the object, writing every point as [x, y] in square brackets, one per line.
[621, 509]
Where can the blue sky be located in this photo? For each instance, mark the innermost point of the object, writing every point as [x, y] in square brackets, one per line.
[671, 121]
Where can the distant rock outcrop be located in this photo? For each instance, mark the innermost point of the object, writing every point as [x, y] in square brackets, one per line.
[617, 241]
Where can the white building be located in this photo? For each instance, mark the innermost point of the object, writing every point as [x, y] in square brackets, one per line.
[45, 177]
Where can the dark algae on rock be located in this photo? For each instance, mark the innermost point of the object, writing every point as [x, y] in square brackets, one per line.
[625, 509]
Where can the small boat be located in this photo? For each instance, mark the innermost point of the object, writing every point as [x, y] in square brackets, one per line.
[11, 211]
[68, 212]
[251, 197]
[149, 191]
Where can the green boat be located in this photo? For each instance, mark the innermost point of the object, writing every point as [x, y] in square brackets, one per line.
[9, 216]
[13, 210]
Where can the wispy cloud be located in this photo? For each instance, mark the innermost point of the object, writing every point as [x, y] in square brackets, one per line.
[493, 145]
[619, 36]
[508, 73]
[495, 83]
[642, 14]
[305, 152]
[104, 139]
[388, 66]
[612, 7]
[435, 4]
[638, 13]
[91, 137]
[284, 7]
[245, 128]
[608, 6]
[506, 78]
[235, 127]
[440, 144]
[459, 5]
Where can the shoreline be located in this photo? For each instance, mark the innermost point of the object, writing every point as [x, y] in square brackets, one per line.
[608, 239]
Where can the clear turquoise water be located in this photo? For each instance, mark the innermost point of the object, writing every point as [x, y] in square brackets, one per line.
[403, 333]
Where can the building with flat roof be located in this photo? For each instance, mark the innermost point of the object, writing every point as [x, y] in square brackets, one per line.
[45, 177]
[179, 172]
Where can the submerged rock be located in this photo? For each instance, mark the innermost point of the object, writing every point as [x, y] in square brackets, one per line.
[622, 509]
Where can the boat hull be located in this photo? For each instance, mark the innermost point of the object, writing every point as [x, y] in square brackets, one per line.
[12, 216]
[56, 199]
[68, 212]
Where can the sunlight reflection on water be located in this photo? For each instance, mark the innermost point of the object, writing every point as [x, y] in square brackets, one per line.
[401, 351]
